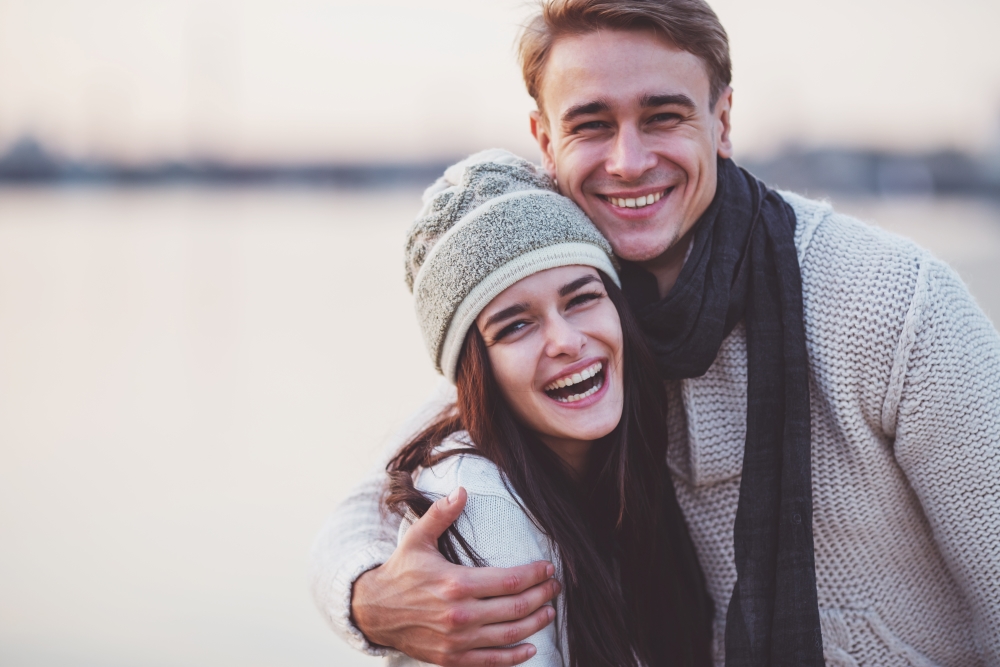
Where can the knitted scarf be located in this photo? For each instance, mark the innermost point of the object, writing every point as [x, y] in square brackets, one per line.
[743, 266]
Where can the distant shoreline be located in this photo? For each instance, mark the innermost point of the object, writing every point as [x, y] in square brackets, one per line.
[29, 162]
[829, 170]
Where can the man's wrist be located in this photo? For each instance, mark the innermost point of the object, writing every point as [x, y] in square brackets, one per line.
[359, 617]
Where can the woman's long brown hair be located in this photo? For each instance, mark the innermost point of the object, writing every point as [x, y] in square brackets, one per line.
[653, 608]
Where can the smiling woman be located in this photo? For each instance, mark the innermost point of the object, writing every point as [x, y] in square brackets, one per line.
[557, 434]
[556, 356]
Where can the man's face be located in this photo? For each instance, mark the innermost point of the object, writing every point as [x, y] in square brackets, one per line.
[629, 135]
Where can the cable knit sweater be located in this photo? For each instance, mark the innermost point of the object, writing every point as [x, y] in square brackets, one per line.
[905, 409]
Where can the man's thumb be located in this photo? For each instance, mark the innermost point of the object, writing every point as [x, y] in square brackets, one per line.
[435, 521]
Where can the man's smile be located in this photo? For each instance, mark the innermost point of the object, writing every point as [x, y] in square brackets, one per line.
[632, 200]
[636, 206]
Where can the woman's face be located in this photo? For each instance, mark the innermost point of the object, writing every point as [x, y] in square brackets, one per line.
[555, 343]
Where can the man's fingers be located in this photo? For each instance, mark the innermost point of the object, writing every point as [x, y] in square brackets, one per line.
[491, 582]
[503, 634]
[428, 528]
[496, 657]
[515, 607]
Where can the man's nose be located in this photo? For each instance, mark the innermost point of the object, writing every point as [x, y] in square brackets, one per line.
[629, 158]
[562, 338]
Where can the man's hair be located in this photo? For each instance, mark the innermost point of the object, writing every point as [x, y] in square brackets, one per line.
[690, 25]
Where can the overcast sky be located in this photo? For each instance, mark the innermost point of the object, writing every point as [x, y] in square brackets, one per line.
[410, 79]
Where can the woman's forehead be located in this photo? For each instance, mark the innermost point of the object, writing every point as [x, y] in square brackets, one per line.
[542, 286]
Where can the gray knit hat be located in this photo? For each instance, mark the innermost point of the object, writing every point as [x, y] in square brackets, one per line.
[490, 221]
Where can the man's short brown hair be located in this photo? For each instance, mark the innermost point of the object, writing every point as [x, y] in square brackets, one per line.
[690, 25]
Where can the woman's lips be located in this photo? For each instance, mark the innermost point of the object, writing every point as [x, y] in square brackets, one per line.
[575, 378]
[578, 387]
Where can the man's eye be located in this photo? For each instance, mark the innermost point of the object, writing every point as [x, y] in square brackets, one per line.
[665, 117]
[592, 125]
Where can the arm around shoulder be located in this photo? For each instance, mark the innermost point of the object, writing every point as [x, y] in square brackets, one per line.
[358, 536]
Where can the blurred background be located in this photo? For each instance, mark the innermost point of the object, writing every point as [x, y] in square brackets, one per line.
[205, 339]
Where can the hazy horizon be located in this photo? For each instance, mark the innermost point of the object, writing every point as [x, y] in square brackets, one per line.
[308, 80]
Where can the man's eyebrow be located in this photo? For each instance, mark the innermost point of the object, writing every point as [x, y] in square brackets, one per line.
[505, 314]
[569, 288]
[676, 99]
[585, 109]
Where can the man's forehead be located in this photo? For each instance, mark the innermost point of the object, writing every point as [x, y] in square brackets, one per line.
[618, 68]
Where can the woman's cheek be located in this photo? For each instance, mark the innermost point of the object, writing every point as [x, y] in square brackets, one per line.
[513, 374]
[610, 327]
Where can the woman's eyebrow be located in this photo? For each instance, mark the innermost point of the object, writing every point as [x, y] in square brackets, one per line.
[505, 314]
[569, 288]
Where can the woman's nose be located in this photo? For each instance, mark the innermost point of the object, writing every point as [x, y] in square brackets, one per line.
[562, 338]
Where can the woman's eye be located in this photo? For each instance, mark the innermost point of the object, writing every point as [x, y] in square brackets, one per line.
[511, 328]
[580, 299]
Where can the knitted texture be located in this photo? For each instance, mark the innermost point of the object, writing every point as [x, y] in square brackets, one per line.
[905, 415]
[492, 220]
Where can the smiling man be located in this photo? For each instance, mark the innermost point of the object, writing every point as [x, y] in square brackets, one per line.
[834, 391]
[636, 153]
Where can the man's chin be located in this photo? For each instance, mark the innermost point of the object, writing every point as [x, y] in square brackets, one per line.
[642, 257]
[641, 243]
[640, 253]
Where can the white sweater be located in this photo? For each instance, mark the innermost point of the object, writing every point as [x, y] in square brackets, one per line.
[502, 535]
[905, 409]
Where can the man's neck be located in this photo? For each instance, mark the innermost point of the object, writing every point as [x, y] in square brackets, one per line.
[667, 267]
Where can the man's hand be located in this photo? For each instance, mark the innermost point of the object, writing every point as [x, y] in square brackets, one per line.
[446, 614]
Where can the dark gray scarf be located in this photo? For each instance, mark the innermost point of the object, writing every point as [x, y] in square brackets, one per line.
[743, 266]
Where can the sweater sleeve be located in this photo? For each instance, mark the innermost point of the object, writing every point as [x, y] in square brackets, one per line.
[359, 536]
[947, 442]
[498, 530]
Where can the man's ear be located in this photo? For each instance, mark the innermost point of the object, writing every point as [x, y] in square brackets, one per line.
[540, 131]
[723, 107]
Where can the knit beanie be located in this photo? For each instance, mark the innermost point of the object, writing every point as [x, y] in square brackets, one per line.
[490, 221]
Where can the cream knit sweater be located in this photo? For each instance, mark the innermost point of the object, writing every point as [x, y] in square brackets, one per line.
[501, 533]
[905, 408]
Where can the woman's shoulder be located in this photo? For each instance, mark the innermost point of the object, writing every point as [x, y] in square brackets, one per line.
[494, 521]
[477, 474]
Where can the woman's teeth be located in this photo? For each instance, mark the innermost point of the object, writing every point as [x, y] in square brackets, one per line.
[579, 397]
[637, 202]
[558, 389]
[576, 378]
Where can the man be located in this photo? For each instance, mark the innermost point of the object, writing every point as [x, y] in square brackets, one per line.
[834, 407]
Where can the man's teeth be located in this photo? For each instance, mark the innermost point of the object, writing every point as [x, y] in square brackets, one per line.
[638, 202]
[576, 378]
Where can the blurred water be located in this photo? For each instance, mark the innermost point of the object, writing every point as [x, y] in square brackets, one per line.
[191, 379]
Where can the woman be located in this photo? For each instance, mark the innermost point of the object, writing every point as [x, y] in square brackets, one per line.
[558, 433]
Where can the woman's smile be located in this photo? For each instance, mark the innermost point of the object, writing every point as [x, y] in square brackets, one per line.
[554, 340]
[575, 386]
